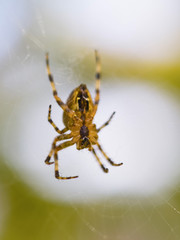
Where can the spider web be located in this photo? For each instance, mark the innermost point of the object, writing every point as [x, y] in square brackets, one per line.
[139, 198]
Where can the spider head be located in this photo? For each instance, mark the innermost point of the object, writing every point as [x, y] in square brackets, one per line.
[83, 143]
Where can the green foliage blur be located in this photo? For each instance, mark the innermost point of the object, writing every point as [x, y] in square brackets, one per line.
[24, 215]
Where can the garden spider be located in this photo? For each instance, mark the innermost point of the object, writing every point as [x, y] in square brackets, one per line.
[78, 115]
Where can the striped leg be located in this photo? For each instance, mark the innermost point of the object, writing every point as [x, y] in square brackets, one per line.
[58, 138]
[98, 78]
[47, 161]
[109, 160]
[58, 148]
[58, 99]
[106, 123]
[100, 163]
[53, 124]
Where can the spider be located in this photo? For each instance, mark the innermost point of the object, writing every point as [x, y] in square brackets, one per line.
[78, 115]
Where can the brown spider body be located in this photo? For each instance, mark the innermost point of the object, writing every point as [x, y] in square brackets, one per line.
[80, 101]
[79, 112]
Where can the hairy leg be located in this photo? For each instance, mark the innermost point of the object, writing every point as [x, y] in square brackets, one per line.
[58, 138]
[107, 158]
[56, 150]
[100, 163]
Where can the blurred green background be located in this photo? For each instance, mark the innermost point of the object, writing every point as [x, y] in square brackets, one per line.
[139, 43]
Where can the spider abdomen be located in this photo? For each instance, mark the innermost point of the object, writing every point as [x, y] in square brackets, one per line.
[80, 101]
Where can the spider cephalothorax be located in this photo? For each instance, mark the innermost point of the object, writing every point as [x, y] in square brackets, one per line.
[78, 115]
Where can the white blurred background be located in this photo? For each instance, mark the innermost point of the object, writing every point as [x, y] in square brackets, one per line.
[139, 47]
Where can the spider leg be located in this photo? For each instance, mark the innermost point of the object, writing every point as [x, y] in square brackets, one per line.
[58, 148]
[100, 163]
[58, 99]
[53, 124]
[58, 138]
[47, 161]
[109, 160]
[106, 123]
[98, 78]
